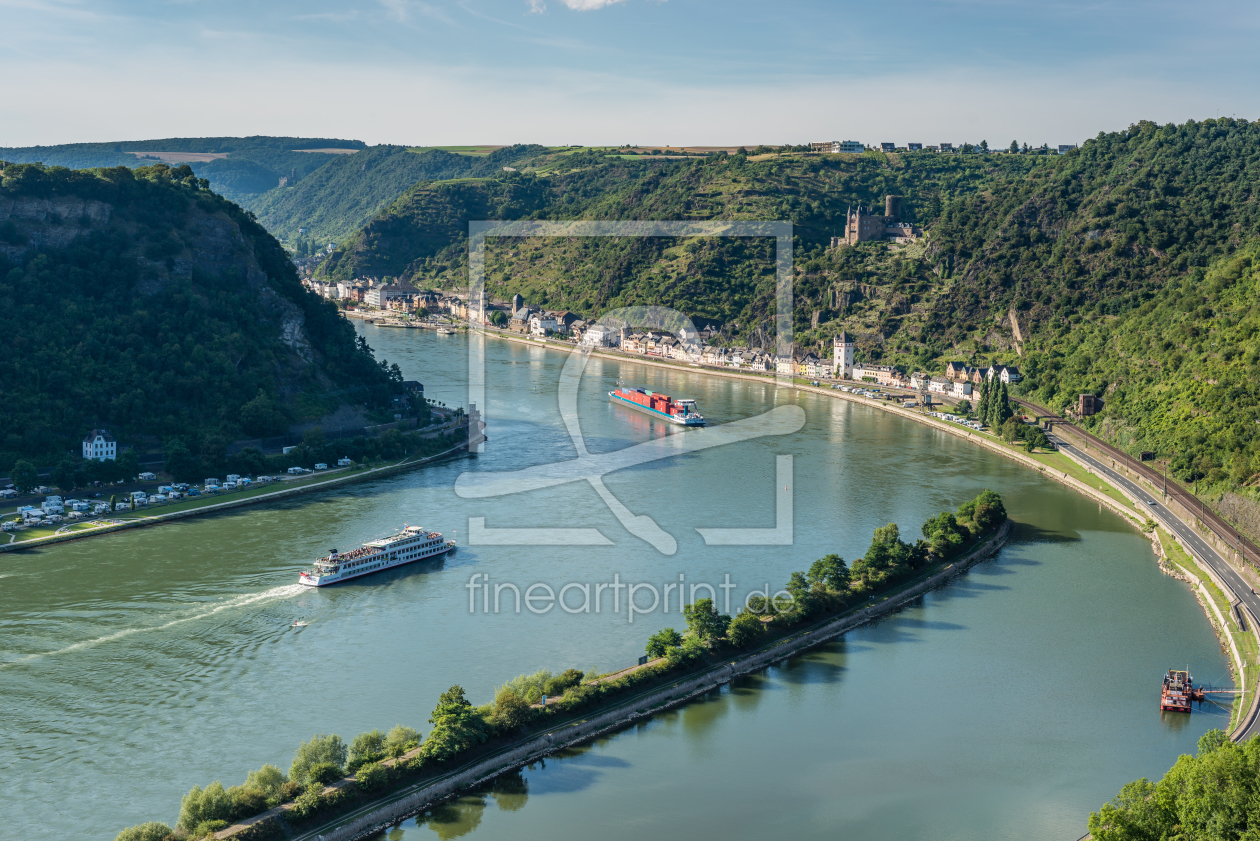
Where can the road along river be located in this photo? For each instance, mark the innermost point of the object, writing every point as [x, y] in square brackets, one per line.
[1009, 703]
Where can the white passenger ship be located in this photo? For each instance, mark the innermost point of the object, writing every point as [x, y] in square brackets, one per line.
[407, 546]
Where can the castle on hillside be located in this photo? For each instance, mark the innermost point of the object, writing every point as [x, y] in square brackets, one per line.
[862, 225]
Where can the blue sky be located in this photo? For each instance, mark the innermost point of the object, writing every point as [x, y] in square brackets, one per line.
[434, 72]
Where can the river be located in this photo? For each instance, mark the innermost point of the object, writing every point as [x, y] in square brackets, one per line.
[1009, 703]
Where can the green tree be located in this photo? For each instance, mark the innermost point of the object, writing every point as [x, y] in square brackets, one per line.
[63, 475]
[562, 682]
[1002, 411]
[944, 534]
[366, 747]
[456, 727]
[704, 621]
[831, 572]
[745, 629]
[511, 711]
[200, 805]
[262, 417]
[886, 558]
[268, 779]
[309, 801]
[325, 773]
[372, 777]
[989, 510]
[330, 749]
[180, 462]
[25, 477]
[127, 465]
[1014, 148]
[663, 642]
[499, 318]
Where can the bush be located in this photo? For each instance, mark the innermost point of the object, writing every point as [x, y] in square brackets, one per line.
[372, 776]
[151, 831]
[208, 828]
[530, 687]
[400, 740]
[562, 682]
[319, 749]
[270, 780]
[289, 790]
[511, 711]
[246, 801]
[200, 805]
[308, 802]
[324, 773]
[366, 747]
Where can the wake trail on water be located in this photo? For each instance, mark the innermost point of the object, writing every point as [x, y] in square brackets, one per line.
[274, 594]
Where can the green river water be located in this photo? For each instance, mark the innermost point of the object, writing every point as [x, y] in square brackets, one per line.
[1007, 704]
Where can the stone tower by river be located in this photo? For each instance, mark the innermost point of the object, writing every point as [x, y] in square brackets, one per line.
[842, 354]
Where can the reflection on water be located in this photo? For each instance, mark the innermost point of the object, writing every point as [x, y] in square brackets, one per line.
[459, 816]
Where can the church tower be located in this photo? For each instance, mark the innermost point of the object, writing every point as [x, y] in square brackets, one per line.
[842, 355]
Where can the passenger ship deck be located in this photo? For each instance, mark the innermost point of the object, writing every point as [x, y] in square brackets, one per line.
[411, 544]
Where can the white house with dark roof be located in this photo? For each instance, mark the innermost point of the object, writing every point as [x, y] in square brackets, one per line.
[1006, 373]
[99, 445]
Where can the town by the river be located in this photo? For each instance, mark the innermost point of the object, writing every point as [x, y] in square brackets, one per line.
[1009, 703]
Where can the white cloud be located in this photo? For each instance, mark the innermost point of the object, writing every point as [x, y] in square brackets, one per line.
[588, 5]
[537, 7]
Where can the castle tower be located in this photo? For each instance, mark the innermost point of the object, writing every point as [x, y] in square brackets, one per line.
[842, 355]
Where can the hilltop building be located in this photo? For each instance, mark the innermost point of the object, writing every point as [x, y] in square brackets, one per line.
[863, 225]
[838, 146]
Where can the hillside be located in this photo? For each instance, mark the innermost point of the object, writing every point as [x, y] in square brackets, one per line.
[341, 196]
[1120, 269]
[140, 301]
[241, 169]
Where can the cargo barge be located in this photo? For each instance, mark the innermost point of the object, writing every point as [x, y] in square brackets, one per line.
[682, 412]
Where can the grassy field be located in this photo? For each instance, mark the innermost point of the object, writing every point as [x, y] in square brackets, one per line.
[1248, 648]
[1063, 464]
[474, 151]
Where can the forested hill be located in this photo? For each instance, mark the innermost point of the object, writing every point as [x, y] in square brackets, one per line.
[240, 168]
[422, 235]
[339, 198]
[1121, 269]
[140, 301]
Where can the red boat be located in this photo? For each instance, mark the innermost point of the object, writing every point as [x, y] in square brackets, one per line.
[1178, 692]
[682, 412]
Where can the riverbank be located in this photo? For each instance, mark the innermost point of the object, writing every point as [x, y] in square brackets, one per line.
[408, 463]
[675, 689]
